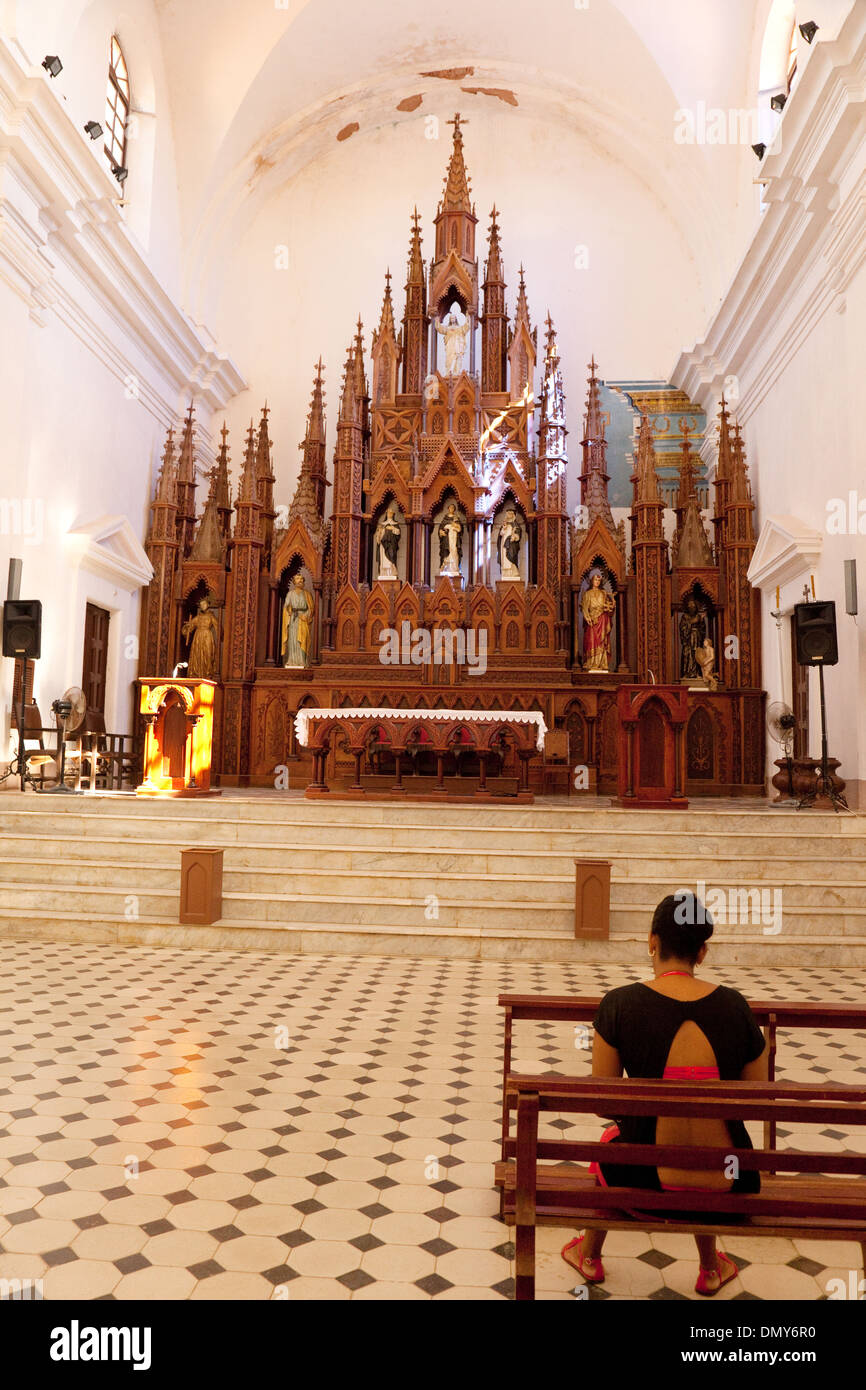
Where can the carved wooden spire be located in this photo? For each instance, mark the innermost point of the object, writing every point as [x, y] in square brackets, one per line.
[494, 320]
[649, 560]
[385, 350]
[209, 546]
[523, 347]
[222, 490]
[647, 497]
[308, 503]
[552, 465]
[691, 547]
[415, 316]
[159, 612]
[248, 491]
[186, 484]
[455, 197]
[594, 478]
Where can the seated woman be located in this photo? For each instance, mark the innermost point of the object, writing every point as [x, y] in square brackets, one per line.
[679, 1028]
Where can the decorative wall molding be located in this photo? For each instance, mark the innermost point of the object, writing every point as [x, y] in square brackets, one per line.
[66, 251]
[812, 236]
[786, 549]
[108, 546]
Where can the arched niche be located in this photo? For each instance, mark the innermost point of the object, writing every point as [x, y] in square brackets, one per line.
[503, 539]
[588, 637]
[440, 549]
[388, 515]
[695, 620]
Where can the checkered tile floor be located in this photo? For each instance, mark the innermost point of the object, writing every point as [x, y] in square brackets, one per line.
[178, 1124]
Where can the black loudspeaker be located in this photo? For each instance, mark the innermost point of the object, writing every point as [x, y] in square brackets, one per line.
[815, 630]
[22, 628]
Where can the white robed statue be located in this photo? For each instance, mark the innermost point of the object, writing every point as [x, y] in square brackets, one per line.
[455, 334]
[450, 543]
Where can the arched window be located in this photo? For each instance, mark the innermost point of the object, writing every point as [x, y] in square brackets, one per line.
[116, 107]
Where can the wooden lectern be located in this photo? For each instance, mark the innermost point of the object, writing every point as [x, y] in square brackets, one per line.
[178, 716]
[652, 749]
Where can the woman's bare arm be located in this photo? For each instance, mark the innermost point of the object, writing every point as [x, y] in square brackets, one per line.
[605, 1059]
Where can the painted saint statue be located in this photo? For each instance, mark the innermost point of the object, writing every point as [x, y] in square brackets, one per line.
[387, 543]
[597, 605]
[455, 334]
[450, 543]
[297, 634]
[201, 632]
[508, 544]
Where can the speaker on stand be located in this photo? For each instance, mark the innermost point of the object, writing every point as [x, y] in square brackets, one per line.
[22, 640]
[815, 637]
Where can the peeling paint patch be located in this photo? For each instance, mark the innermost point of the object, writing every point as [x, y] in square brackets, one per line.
[502, 93]
[409, 103]
[450, 74]
[348, 130]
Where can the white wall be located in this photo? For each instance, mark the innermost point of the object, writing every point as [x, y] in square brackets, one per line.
[95, 357]
[791, 333]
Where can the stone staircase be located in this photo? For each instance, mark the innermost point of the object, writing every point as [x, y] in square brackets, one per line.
[440, 880]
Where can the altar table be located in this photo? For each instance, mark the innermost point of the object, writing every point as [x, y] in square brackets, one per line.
[437, 731]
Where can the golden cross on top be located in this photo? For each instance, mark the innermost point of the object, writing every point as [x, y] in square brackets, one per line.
[456, 122]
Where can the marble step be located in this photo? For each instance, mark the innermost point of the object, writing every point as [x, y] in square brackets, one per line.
[561, 816]
[345, 856]
[377, 939]
[127, 902]
[432, 878]
[643, 838]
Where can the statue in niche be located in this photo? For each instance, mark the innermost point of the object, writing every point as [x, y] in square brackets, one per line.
[297, 629]
[693, 632]
[597, 605]
[201, 632]
[455, 334]
[450, 543]
[387, 545]
[706, 659]
[508, 545]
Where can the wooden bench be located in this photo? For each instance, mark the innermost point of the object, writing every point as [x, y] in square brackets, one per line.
[583, 1008]
[823, 1201]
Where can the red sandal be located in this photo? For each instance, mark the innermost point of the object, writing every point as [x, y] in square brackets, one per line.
[578, 1265]
[701, 1285]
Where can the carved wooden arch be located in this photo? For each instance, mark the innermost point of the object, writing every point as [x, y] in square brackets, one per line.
[436, 483]
[598, 545]
[510, 484]
[298, 544]
[389, 485]
[452, 282]
[705, 581]
[212, 576]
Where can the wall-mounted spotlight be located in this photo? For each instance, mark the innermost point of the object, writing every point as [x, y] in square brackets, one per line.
[120, 173]
[809, 30]
[52, 65]
[94, 129]
[778, 101]
[760, 150]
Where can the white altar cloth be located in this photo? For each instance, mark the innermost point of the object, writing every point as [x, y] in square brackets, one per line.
[461, 716]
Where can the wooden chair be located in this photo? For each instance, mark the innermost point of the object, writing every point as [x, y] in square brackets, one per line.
[111, 761]
[556, 768]
[38, 758]
[819, 1203]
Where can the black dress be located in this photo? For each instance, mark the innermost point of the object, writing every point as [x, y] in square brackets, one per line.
[641, 1024]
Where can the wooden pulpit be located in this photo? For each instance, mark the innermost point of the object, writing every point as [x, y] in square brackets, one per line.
[652, 748]
[178, 717]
